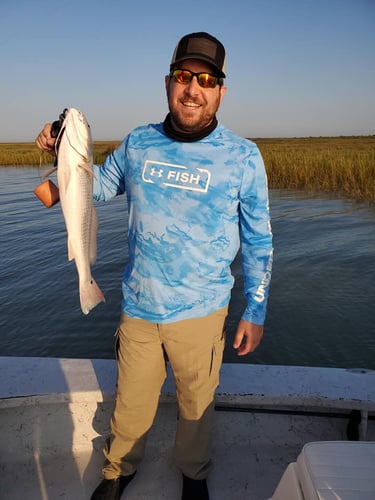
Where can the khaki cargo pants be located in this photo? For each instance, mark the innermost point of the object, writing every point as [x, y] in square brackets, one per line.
[194, 349]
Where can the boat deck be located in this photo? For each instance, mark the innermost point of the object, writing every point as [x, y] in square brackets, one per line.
[52, 446]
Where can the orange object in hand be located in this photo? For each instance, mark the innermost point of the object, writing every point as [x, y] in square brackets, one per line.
[48, 193]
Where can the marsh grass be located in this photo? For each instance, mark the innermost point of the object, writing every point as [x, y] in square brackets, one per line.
[26, 153]
[341, 165]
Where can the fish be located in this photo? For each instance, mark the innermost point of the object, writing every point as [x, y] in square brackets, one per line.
[75, 180]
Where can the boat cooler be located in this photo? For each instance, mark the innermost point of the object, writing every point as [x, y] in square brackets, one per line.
[330, 470]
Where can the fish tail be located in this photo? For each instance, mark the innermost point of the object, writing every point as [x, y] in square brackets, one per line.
[90, 295]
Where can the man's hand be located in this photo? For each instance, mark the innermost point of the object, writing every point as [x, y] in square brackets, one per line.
[45, 141]
[248, 337]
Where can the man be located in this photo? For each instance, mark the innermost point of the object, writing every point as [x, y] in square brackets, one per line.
[196, 192]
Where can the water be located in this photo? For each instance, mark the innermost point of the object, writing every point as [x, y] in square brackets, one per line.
[321, 306]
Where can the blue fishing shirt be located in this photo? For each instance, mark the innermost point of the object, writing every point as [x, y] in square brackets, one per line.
[192, 205]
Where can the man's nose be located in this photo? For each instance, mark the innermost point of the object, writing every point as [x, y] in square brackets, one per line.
[193, 87]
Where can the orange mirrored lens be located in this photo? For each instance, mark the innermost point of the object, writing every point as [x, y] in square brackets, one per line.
[184, 76]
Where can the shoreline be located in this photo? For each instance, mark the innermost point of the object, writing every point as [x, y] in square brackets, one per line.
[342, 165]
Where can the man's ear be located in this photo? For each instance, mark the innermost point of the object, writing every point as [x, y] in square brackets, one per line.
[223, 89]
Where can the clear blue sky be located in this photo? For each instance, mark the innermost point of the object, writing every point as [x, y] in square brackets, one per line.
[294, 67]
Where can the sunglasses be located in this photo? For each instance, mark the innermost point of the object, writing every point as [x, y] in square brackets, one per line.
[205, 80]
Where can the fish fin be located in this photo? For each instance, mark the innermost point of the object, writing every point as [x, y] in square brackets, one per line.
[48, 173]
[90, 295]
[87, 168]
[93, 232]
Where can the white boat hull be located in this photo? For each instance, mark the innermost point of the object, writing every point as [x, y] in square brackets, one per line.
[54, 416]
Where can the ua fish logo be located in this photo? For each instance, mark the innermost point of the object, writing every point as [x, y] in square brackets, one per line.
[177, 176]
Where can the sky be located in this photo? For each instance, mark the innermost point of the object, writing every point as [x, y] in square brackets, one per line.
[295, 68]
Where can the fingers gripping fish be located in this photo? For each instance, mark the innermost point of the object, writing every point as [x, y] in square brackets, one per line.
[75, 179]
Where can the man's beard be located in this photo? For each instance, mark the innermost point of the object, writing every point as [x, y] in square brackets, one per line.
[190, 126]
[185, 125]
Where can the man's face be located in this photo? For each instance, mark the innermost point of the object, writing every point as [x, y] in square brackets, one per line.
[192, 107]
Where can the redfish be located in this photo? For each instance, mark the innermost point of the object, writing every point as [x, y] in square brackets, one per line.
[75, 178]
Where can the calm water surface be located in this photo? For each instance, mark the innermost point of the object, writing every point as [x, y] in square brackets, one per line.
[321, 306]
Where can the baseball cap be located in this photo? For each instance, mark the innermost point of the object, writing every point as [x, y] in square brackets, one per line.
[201, 46]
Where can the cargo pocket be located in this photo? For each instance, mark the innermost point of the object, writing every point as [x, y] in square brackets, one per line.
[217, 354]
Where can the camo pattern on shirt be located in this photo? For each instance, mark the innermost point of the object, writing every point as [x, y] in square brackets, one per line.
[191, 206]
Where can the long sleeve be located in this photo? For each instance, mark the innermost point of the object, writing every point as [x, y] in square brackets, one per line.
[109, 178]
[256, 238]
